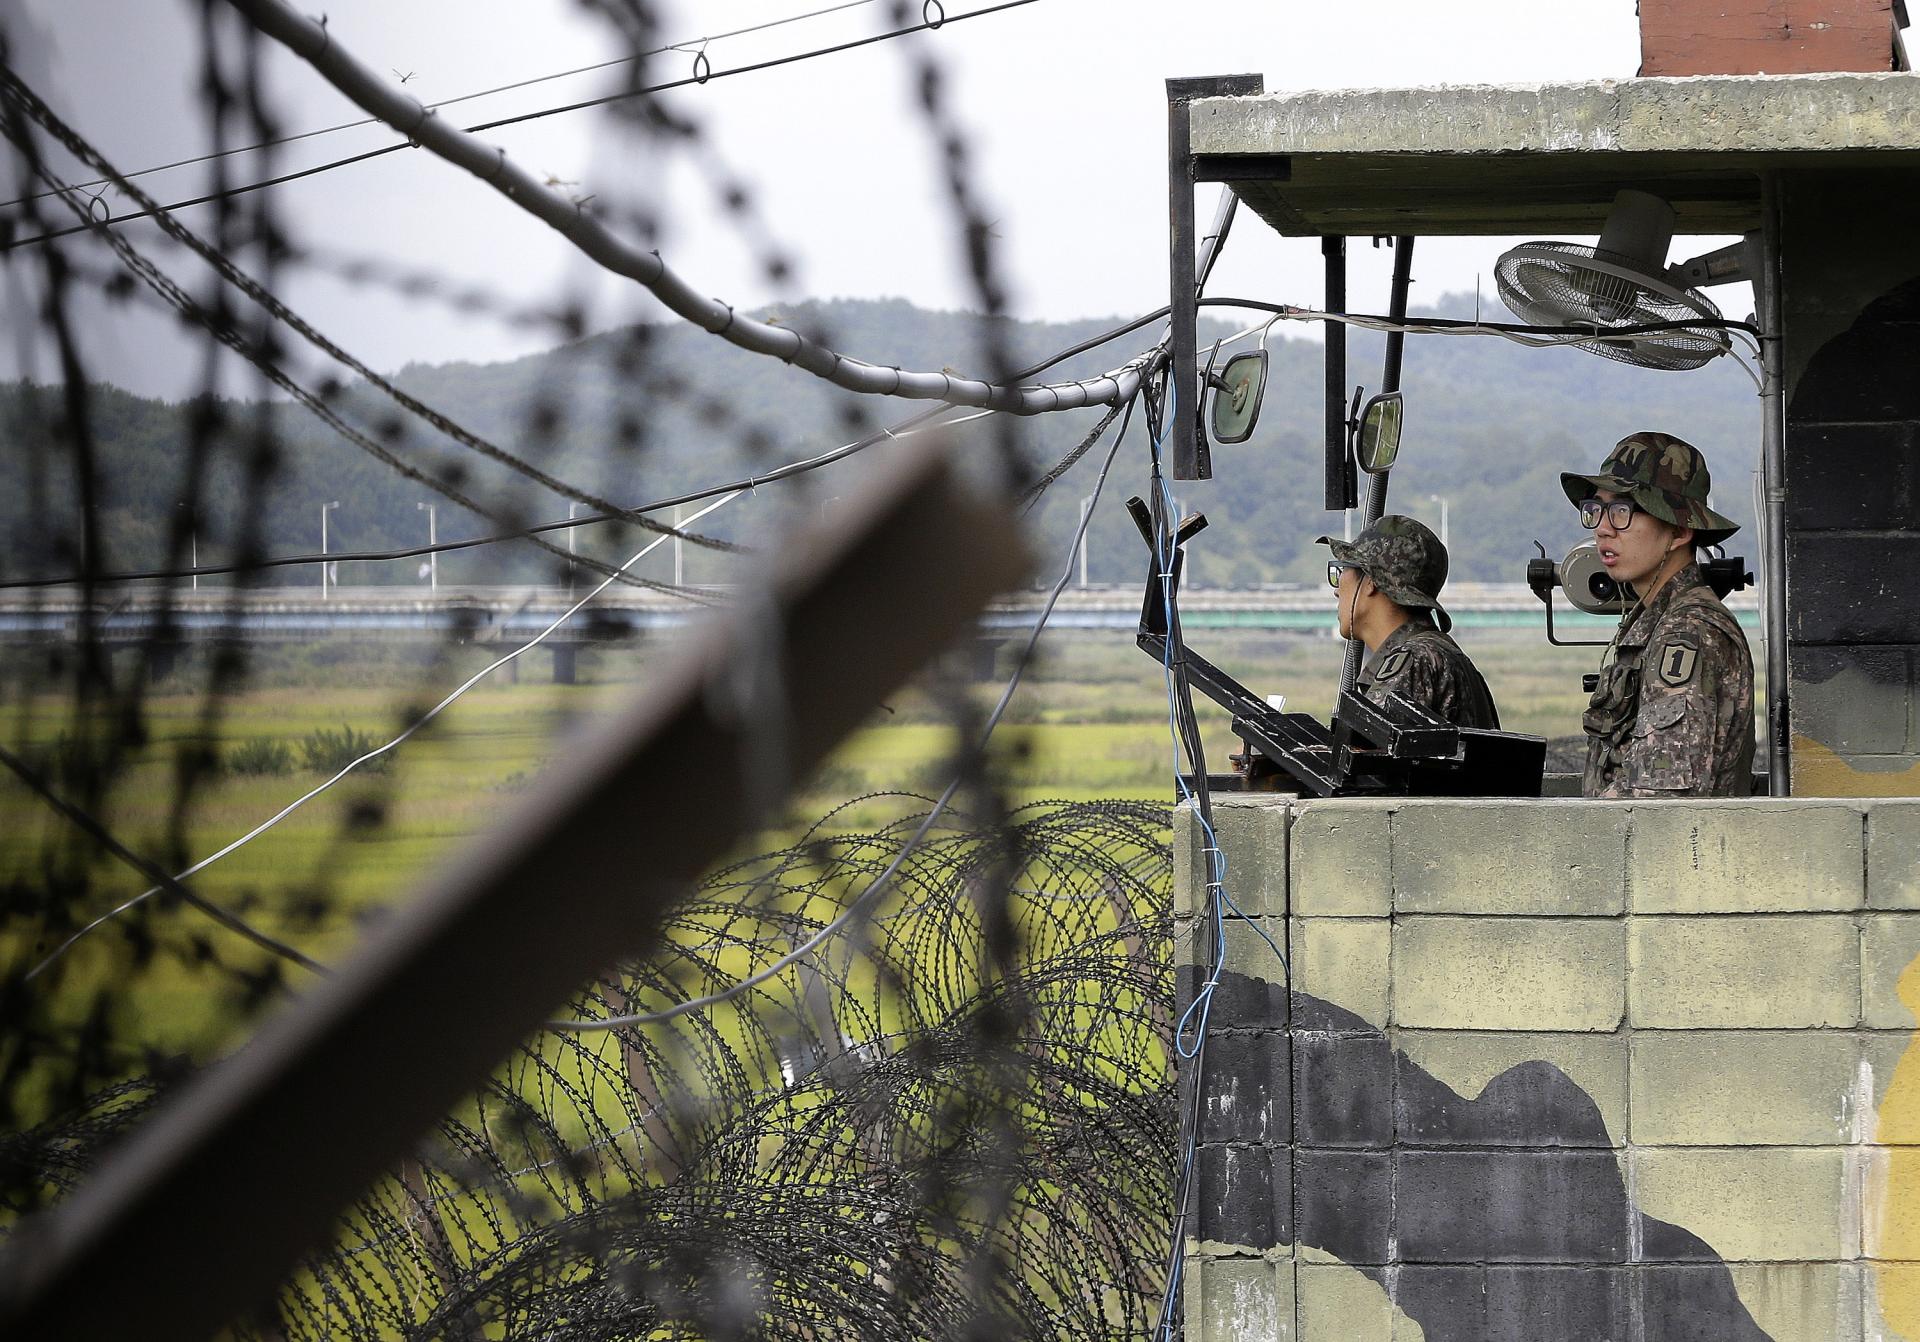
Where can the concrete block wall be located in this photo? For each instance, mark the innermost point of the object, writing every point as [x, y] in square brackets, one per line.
[1559, 1070]
[1850, 256]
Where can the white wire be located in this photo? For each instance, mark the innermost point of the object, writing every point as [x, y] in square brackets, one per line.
[424, 719]
[438, 708]
[879, 883]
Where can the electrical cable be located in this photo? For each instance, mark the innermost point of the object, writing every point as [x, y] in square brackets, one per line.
[351, 159]
[859, 903]
[905, 429]
[22, 97]
[99, 833]
[1413, 326]
[172, 883]
[700, 42]
[594, 240]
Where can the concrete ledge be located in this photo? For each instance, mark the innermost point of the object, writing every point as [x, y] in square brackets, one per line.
[1699, 114]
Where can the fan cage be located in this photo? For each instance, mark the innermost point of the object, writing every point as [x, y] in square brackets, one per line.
[1571, 284]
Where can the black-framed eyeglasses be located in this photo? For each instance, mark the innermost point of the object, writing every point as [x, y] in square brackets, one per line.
[1335, 567]
[1618, 512]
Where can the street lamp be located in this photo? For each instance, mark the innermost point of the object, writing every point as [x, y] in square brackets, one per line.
[572, 510]
[679, 552]
[433, 539]
[325, 508]
[1435, 498]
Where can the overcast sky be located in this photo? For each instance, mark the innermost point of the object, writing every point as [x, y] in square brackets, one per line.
[1062, 102]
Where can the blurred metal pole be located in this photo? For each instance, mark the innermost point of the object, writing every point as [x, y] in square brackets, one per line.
[1389, 381]
[1773, 478]
[209, 1205]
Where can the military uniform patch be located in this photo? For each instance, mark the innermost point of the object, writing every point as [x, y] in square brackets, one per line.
[1676, 662]
[1390, 665]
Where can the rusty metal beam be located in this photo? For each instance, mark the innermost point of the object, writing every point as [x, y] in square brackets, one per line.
[210, 1204]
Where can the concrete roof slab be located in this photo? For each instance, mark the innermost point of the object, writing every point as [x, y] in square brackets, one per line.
[1548, 157]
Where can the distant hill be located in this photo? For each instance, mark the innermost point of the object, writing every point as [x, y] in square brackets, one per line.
[647, 412]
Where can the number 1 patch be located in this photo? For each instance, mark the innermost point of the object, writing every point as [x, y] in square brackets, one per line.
[1390, 667]
[1676, 663]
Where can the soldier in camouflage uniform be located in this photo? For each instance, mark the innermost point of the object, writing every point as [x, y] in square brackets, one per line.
[1673, 713]
[1389, 580]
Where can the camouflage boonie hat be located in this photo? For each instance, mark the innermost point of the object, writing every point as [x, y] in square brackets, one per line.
[1406, 561]
[1665, 476]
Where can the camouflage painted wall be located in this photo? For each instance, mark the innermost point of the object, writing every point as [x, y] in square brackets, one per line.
[1850, 252]
[1560, 1071]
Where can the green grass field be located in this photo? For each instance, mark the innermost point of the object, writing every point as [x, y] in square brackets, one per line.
[1089, 722]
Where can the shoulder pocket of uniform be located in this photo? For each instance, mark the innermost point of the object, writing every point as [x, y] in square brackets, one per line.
[1660, 713]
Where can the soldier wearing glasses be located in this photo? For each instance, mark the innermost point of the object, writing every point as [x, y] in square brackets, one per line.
[1389, 580]
[1673, 713]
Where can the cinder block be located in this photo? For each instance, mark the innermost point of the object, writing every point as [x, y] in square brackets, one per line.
[1247, 1088]
[1344, 961]
[1890, 970]
[1743, 1088]
[1526, 974]
[1538, 1206]
[1252, 993]
[1345, 1203]
[1252, 835]
[1243, 1198]
[1889, 1101]
[1783, 971]
[1757, 1204]
[1511, 1089]
[1892, 1302]
[1890, 1209]
[1338, 1301]
[1701, 1300]
[1558, 858]
[1236, 1299]
[1746, 856]
[1802, 1302]
[1440, 1301]
[1893, 855]
[1343, 1088]
[1536, 1303]
[1341, 859]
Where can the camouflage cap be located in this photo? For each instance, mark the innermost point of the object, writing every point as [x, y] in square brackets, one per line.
[1406, 561]
[1665, 476]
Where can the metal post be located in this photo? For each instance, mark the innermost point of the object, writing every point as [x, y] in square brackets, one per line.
[1339, 466]
[1188, 455]
[1190, 459]
[1441, 500]
[325, 508]
[433, 557]
[573, 510]
[679, 552]
[1773, 480]
[193, 553]
[1389, 381]
[335, 1090]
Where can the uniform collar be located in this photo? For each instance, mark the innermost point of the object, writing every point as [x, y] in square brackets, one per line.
[1642, 618]
[1419, 624]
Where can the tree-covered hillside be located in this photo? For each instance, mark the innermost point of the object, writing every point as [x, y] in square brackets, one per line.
[649, 412]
